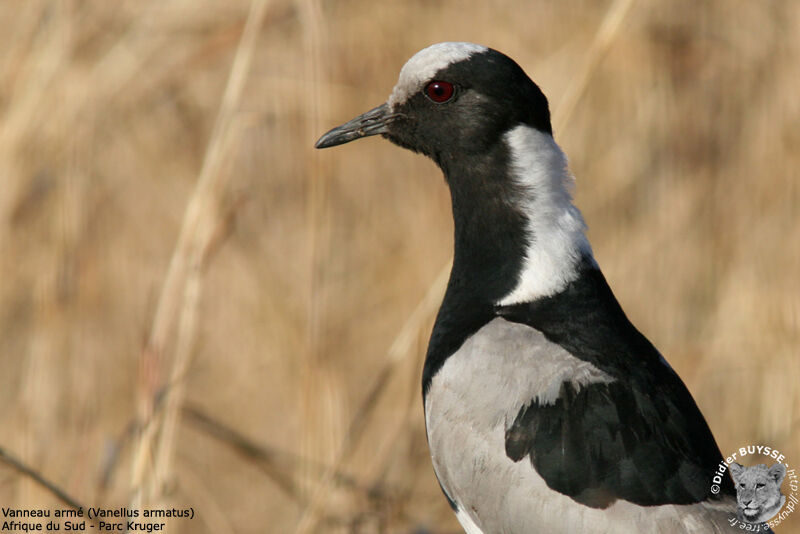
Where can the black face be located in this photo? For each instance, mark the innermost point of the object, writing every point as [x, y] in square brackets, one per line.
[463, 109]
[490, 94]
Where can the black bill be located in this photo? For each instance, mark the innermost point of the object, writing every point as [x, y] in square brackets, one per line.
[372, 122]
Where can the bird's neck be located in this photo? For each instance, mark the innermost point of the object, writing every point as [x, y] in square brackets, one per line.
[518, 237]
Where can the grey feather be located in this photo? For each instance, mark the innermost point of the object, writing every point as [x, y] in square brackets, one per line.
[472, 401]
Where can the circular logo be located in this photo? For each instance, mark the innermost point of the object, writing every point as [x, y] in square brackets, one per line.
[760, 487]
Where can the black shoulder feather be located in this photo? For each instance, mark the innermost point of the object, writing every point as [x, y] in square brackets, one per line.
[640, 438]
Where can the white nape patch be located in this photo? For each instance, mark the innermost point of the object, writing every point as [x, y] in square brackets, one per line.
[555, 224]
[467, 522]
[427, 62]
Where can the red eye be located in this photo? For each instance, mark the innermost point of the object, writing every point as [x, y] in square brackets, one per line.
[439, 91]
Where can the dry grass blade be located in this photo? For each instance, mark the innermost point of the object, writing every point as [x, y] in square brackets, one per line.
[28, 471]
[276, 464]
[400, 348]
[183, 280]
[605, 35]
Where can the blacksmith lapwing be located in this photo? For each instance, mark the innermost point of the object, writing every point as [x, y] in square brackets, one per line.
[546, 410]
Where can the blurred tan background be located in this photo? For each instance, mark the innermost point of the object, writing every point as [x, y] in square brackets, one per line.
[198, 309]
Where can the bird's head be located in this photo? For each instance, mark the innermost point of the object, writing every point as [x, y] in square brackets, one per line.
[451, 98]
[476, 113]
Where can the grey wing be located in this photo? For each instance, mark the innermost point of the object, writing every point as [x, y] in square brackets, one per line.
[472, 403]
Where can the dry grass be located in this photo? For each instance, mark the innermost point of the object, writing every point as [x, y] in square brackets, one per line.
[306, 280]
